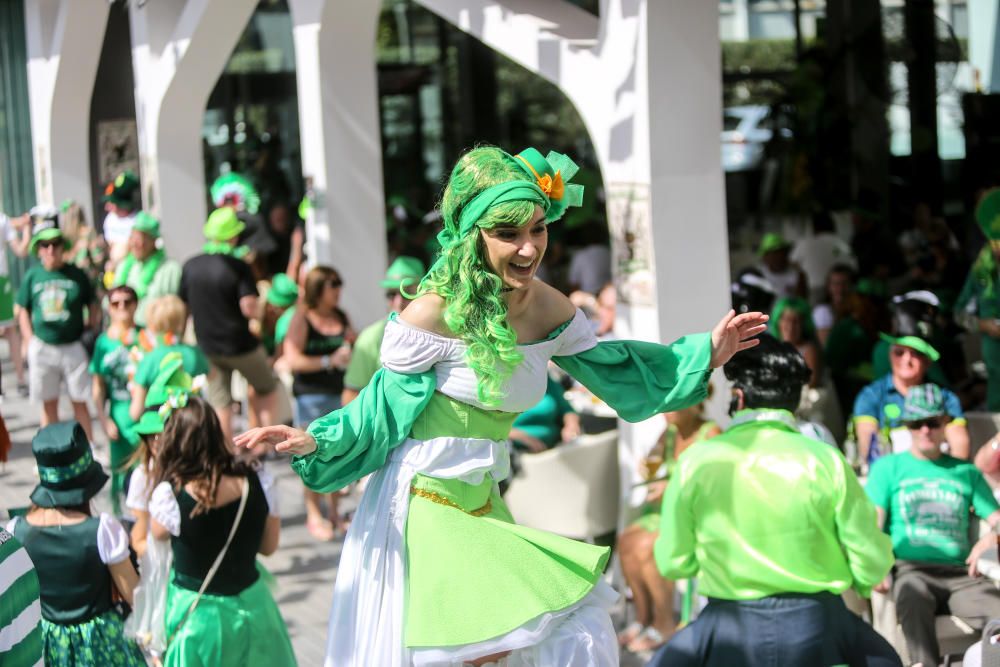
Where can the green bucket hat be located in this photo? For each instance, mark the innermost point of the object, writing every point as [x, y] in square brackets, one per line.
[122, 191]
[284, 292]
[223, 225]
[68, 474]
[923, 402]
[988, 214]
[772, 241]
[46, 227]
[146, 224]
[402, 273]
[914, 343]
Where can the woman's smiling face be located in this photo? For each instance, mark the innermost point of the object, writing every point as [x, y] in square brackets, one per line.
[514, 253]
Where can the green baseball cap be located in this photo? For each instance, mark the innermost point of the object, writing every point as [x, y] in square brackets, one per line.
[122, 191]
[914, 343]
[146, 224]
[988, 214]
[923, 402]
[403, 272]
[284, 292]
[223, 224]
[772, 241]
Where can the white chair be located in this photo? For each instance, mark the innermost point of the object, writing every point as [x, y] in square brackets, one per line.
[570, 490]
[982, 427]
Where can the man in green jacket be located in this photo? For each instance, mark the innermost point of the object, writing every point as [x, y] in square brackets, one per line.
[775, 526]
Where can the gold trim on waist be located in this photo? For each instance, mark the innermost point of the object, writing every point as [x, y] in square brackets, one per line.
[441, 500]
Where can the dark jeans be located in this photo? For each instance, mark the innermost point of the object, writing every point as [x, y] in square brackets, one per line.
[922, 591]
[778, 631]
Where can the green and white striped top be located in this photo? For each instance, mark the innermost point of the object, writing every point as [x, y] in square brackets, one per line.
[20, 609]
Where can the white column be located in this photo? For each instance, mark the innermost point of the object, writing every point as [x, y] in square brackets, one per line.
[179, 50]
[64, 39]
[984, 47]
[341, 151]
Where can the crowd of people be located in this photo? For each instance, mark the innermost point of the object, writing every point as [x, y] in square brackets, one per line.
[430, 407]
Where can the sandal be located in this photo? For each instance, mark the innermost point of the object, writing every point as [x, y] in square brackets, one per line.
[630, 633]
[321, 529]
[649, 639]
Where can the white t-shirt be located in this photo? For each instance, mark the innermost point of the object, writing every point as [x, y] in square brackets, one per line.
[117, 229]
[112, 540]
[818, 254]
[590, 268]
[7, 234]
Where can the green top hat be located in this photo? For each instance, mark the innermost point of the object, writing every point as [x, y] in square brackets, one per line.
[914, 343]
[146, 224]
[223, 225]
[988, 214]
[46, 227]
[772, 241]
[403, 272]
[68, 474]
[923, 402]
[284, 292]
[122, 191]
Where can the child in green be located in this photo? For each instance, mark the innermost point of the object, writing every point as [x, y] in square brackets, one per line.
[116, 354]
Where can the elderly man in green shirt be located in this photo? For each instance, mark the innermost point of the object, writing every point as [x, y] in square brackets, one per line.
[146, 268]
[775, 526]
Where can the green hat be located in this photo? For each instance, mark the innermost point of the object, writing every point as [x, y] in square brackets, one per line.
[122, 191]
[146, 224]
[914, 343]
[923, 402]
[988, 214]
[236, 190]
[284, 292]
[46, 226]
[772, 241]
[171, 379]
[223, 225]
[68, 474]
[403, 272]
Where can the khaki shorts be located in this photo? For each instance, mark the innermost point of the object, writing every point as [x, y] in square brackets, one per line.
[50, 365]
[253, 366]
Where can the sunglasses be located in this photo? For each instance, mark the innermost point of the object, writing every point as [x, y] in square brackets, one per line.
[122, 303]
[392, 294]
[900, 351]
[334, 283]
[48, 244]
[931, 423]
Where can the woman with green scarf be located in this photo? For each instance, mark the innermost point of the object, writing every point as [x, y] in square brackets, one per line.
[434, 570]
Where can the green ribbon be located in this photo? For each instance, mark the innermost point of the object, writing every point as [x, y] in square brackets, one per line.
[57, 474]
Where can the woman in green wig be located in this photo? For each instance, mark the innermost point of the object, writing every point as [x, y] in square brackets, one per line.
[434, 570]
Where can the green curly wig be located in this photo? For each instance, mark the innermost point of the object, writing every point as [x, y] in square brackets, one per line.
[474, 305]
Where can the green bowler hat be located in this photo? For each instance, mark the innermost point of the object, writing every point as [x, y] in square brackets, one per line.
[122, 190]
[772, 241]
[223, 225]
[914, 343]
[924, 401]
[988, 214]
[146, 224]
[284, 292]
[403, 272]
[67, 472]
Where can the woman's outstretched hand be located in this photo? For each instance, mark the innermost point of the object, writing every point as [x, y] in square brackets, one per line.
[731, 335]
[283, 438]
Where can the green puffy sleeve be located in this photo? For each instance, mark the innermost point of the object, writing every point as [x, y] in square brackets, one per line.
[639, 379]
[356, 440]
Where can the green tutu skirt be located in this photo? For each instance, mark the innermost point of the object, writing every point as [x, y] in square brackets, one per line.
[238, 630]
[473, 574]
[101, 642]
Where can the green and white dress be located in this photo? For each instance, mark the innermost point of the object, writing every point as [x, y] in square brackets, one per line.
[434, 570]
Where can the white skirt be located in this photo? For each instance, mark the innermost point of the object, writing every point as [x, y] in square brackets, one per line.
[366, 622]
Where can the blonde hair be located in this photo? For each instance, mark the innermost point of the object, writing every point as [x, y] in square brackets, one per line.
[166, 314]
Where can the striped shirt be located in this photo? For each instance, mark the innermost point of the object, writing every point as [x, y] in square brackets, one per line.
[20, 609]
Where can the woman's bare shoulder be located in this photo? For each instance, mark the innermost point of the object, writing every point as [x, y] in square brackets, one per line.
[426, 312]
[552, 306]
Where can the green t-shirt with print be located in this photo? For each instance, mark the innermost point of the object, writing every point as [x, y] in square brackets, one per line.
[116, 363]
[927, 505]
[56, 301]
[366, 356]
[193, 360]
